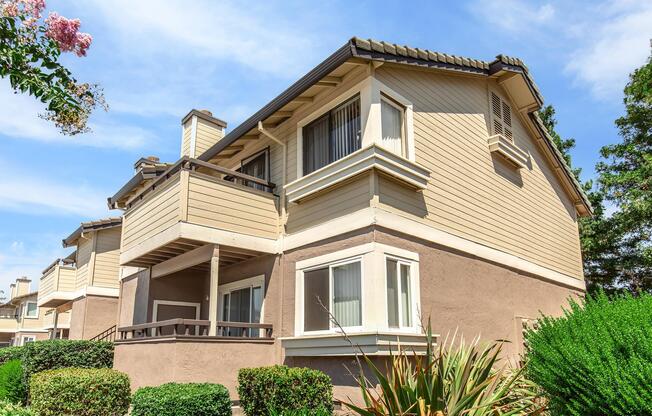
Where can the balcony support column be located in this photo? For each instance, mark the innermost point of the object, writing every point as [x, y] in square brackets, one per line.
[213, 293]
[55, 318]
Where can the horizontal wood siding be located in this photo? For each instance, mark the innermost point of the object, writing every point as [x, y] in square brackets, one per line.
[185, 139]
[84, 250]
[47, 284]
[473, 194]
[66, 280]
[342, 200]
[207, 135]
[220, 204]
[158, 211]
[107, 258]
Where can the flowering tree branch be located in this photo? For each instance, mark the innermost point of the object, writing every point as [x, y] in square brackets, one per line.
[30, 48]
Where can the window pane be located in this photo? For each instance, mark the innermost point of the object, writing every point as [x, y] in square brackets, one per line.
[392, 127]
[345, 129]
[316, 293]
[256, 304]
[315, 145]
[225, 307]
[392, 294]
[406, 304]
[31, 309]
[347, 294]
[256, 167]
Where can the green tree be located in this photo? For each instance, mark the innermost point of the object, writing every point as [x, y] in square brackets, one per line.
[547, 115]
[30, 51]
[625, 175]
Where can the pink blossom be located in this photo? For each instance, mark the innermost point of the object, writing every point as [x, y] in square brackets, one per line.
[33, 7]
[65, 32]
[10, 9]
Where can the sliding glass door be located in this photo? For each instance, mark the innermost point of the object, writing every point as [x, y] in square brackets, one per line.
[242, 305]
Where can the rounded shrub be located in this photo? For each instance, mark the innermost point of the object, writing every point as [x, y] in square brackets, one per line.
[12, 409]
[597, 358]
[281, 389]
[189, 399]
[11, 353]
[62, 353]
[80, 392]
[12, 383]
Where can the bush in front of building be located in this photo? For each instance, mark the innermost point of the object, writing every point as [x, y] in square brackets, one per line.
[10, 353]
[597, 358]
[182, 399]
[8, 408]
[80, 392]
[12, 383]
[280, 388]
[61, 353]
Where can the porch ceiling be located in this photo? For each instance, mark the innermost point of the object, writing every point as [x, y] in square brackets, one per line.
[228, 255]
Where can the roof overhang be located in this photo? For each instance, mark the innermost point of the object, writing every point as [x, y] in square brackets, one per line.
[90, 226]
[146, 173]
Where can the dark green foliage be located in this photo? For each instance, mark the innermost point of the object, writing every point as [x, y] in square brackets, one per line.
[597, 358]
[13, 409]
[175, 399]
[280, 388]
[10, 353]
[52, 354]
[12, 384]
[80, 392]
[300, 412]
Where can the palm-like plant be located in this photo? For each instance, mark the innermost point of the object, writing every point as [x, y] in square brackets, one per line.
[454, 379]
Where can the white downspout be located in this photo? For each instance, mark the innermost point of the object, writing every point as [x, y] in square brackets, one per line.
[264, 132]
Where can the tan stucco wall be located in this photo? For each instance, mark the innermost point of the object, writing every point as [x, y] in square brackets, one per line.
[91, 315]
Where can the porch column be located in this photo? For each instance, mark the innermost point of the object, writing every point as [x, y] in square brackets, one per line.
[212, 295]
[55, 318]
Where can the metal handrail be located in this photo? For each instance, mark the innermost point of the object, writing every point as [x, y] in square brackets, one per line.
[106, 335]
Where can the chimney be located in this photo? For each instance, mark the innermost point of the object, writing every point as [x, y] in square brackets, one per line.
[146, 161]
[12, 291]
[200, 131]
[22, 286]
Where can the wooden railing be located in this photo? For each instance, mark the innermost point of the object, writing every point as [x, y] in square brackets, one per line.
[106, 335]
[194, 327]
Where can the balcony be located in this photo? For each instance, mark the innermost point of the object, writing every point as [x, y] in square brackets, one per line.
[198, 330]
[195, 203]
[57, 285]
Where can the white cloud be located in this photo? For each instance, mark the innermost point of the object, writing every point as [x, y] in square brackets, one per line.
[614, 48]
[514, 15]
[33, 193]
[36, 253]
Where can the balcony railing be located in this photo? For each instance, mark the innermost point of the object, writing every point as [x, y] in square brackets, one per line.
[196, 328]
[195, 193]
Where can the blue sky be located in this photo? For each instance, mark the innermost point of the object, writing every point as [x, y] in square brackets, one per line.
[158, 59]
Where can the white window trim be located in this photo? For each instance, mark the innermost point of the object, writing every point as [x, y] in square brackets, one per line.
[24, 339]
[413, 288]
[371, 91]
[384, 98]
[25, 310]
[158, 302]
[373, 286]
[237, 285]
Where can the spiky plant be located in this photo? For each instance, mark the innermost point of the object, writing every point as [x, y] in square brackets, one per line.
[454, 379]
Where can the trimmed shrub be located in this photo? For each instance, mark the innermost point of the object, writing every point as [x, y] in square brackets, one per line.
[60, 353]
[80, 392]
[176, 399]
[13, 409]
[12, 383]
[300, 412]
[10, 353]
[280, 388]
[597, 358]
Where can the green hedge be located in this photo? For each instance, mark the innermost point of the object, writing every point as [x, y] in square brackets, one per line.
[10, 353]
[597, 358]
[12, 383]
[175, 399]
[280, 389]
[58, 353]
[80, 392]
[13, 409]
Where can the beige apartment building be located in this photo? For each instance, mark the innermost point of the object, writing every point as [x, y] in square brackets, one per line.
[388, 186]
[22, 320]
[85, 285]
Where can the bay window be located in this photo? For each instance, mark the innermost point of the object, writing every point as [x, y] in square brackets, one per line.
[391, 115]
[333, 289]
[399, 302]
[332, 136]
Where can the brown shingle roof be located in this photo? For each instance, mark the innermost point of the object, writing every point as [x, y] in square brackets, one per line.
[91, 226]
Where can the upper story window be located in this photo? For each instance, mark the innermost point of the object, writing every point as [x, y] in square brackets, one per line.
[332, 136]
[502, 117]
[31, 310]
[392, 134]
[258, 167]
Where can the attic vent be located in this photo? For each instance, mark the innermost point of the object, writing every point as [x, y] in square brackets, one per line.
[502, 117]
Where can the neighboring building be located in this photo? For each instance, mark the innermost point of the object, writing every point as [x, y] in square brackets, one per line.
[387, 186]
[22, 320]
[85, 285]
